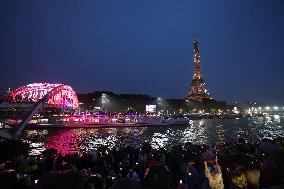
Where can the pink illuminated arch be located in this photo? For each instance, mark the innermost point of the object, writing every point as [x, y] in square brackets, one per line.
[58, 95]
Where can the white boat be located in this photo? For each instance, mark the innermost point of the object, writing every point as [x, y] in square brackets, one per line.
[111, 122]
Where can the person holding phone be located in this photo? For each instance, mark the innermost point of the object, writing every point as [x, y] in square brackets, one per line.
[213, 174]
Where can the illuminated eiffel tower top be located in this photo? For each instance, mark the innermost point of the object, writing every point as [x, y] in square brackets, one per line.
[197, 91]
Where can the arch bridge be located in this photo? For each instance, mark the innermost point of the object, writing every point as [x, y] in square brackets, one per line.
[40, 94]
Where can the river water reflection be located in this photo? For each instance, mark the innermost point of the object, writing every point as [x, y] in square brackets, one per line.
[198, 131]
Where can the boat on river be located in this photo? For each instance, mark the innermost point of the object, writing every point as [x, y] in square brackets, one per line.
[105, 121]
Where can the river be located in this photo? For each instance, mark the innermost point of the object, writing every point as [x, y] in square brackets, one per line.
[209, 131]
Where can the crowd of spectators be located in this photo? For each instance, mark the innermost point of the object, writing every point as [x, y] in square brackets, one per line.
[238, 164]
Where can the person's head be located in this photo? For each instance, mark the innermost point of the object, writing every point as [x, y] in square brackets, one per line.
[156, 156]
[253, 178]
[84, 172]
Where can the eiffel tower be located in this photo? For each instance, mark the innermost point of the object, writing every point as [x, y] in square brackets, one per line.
[197, 91]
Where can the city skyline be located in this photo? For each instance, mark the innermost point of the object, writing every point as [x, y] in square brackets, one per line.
[145, 47]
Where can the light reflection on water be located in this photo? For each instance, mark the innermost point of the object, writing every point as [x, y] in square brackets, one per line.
[198, 131]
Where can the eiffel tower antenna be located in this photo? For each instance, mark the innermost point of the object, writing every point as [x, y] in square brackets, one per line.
[195, 36]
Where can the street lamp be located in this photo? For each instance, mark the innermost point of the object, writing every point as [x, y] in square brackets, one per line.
[104, 100]
[275, 108]
[159, 103]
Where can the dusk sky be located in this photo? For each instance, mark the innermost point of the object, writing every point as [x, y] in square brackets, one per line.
[145, 46]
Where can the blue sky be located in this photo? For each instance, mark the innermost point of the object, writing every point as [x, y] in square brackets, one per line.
[134, 46]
